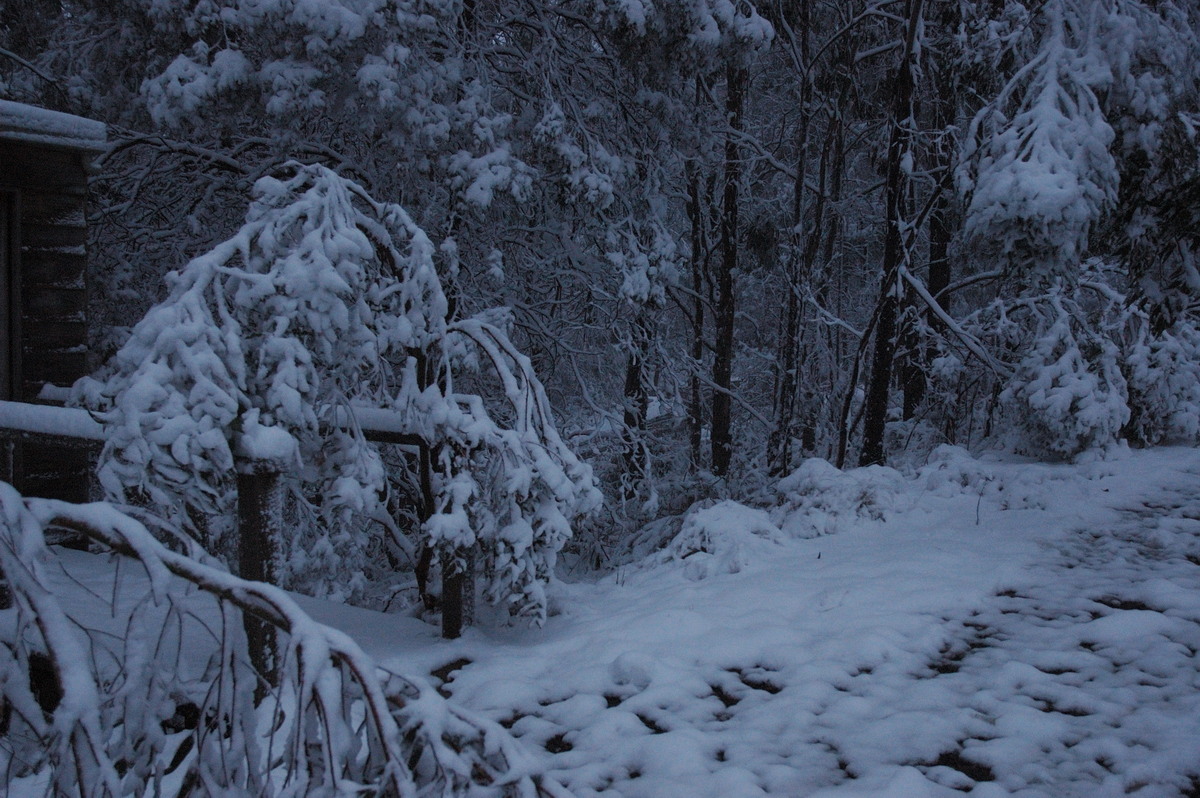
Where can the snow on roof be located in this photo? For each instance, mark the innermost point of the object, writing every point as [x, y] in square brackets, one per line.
[34, 125]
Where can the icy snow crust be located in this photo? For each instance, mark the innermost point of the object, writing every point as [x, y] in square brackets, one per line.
[984, 629]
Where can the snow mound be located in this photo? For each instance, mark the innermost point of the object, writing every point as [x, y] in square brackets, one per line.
[722, 539]
[818, 499]
[953, 471]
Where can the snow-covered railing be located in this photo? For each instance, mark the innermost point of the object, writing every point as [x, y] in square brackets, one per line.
[30, 124]
[260, 465]
[26, 421]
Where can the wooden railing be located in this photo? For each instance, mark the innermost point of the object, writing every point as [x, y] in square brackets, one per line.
[52, 424]
[259, 487]
[47, 423]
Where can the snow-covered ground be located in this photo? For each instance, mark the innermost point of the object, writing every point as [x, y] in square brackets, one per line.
[981, 628]
[1004, 629]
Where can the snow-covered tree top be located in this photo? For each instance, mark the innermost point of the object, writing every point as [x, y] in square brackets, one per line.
[34, 125]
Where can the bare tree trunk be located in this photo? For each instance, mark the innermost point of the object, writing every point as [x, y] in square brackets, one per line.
[914, 372]
[458, 591]
[637, 404]
[424, 513]
[942, 102]
[787, 376]
[699, 245]
[834, 162]
[457, 598]
[940, 232]
[893, 249]
[722, 437]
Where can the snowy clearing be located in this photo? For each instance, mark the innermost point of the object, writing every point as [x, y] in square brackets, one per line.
[1034, 633]
[983, 628]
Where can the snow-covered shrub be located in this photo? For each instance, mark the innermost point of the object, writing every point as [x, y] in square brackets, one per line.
[326, 302]
[817, 498]
[959, 388]
[722, 538]
[953, 471]
[1163, 374]
[268, 337]
[1067, 394]
[167, 706]
[909, 443]
[512, 490]
[1085, 368]
[648, 539]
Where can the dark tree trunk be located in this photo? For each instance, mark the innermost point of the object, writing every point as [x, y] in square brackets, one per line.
[722, 405]
[787, 376]
[424, 512]
[636, 406]
[457, 566]
[939, 246]
[878, 388]
[834, 161]
[942, 103]
[458, 591]
[914, 372]
[939, 216]
[260, 525]
[699, 258]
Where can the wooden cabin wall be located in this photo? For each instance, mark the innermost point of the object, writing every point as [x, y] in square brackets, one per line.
[47, 192]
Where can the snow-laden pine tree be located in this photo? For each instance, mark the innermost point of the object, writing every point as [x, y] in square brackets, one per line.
[1067, 394]
[323, 303]
[1070, 159]
[1155, 102]
[1037, 167]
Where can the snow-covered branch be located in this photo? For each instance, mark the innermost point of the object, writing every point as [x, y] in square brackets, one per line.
[333, 722]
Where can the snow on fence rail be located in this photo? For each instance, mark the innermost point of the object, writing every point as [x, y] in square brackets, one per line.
[122, 719]
[259, 484]
[24, 420]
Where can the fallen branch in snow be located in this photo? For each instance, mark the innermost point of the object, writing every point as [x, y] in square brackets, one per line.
[335, 723]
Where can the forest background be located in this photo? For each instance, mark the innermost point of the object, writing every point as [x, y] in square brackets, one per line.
[729, 237]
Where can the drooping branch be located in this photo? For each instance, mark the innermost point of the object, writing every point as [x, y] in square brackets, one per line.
[409, 741]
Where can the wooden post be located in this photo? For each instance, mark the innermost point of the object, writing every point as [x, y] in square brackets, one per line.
[260, 525]
[7, 461]
[458, 591]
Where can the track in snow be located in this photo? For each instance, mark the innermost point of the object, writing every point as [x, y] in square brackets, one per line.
[1080, 679]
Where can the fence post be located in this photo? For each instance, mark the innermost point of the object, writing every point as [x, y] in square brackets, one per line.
[260, 526]
[7, 461]
[458, 590]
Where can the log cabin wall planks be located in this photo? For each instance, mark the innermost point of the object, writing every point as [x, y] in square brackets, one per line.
[44, 159]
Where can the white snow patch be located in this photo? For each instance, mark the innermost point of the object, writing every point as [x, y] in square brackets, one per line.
[33, 125]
